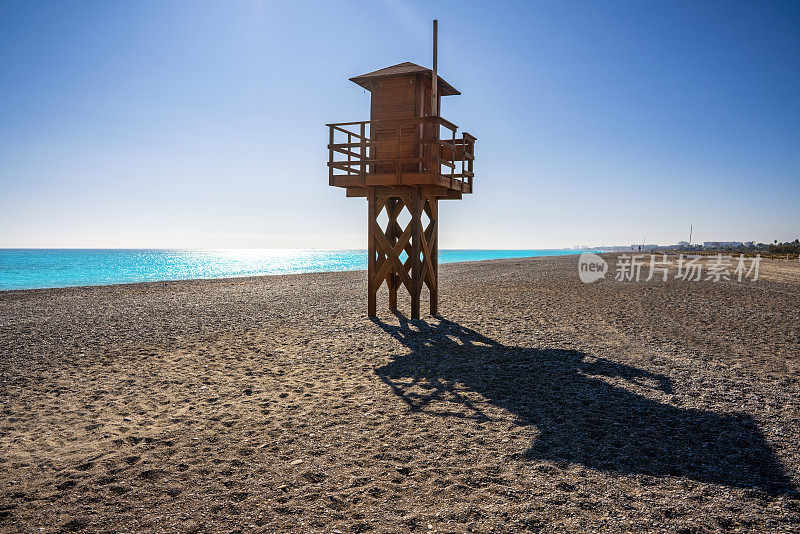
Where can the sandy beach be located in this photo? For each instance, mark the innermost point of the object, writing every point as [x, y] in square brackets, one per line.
[535, 402]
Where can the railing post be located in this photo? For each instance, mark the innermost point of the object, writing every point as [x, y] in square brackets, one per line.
[330, 157]
[453, 156]
[463, 156]
[435, 148]
[349, 153]
[420, 129]
[424, 146]
[469, 164]
[363, 152]
[397, 152]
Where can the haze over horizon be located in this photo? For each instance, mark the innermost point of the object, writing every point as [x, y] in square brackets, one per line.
[201, 125]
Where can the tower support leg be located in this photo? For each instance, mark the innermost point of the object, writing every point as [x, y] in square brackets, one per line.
[372, 290]
[419, 241]
[393, 207]
[432, 237]
[416, 250]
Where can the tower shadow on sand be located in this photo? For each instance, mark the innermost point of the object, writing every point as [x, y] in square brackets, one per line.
[581, 418]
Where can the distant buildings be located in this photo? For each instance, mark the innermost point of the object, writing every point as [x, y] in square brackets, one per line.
[722, 244]
[680, 246]
[649, 247]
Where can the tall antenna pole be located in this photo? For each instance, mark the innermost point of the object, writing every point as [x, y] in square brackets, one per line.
[435, 103]
[691, 227]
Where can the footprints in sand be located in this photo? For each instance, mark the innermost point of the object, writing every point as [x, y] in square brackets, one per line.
[66, 485]
[151, 475]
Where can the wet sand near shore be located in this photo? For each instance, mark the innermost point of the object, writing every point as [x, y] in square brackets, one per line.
[533, 403]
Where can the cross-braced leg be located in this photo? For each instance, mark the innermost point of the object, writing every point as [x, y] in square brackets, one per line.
[393, 207]
[416, 250]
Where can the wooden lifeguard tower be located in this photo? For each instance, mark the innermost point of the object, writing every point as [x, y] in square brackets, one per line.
[398, 160]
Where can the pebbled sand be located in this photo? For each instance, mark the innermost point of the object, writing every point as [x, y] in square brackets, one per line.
[534, 403]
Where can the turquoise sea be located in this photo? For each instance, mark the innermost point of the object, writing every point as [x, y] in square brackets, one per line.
[41, 268]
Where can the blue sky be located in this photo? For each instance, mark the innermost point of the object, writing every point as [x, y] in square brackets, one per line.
[201, 124]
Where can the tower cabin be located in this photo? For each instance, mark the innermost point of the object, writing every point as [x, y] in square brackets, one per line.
[405, 142]
[405, 157]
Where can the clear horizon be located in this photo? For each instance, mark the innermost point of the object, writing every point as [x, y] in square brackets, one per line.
[200, 125]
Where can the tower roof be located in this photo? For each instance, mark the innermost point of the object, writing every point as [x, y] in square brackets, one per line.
[445, 89]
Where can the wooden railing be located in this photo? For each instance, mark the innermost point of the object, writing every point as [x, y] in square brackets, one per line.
[401, 146]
